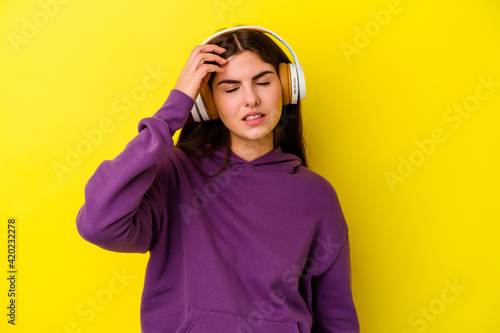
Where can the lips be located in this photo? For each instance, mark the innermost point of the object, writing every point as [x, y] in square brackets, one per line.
[254, 119]
[253, 115]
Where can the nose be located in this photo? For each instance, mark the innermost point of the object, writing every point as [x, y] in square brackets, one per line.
[250, 97]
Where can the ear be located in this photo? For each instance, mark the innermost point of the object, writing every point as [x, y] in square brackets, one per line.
[284, 74]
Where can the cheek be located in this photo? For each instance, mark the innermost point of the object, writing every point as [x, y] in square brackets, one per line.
[225, 108]
[221, 102]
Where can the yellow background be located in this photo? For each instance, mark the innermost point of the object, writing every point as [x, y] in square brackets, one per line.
[365, 111]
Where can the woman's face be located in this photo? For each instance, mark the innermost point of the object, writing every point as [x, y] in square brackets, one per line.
[248, 87]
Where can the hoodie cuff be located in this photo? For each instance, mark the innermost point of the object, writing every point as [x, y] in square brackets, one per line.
[176, 109]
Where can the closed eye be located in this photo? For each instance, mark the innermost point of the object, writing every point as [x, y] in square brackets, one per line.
[236, 88]
[231, 90]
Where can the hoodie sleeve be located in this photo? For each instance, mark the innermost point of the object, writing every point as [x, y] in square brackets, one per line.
[333, 304]
[123, 198]
[332, 301]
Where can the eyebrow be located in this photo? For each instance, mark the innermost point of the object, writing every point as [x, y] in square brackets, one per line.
[253, 78]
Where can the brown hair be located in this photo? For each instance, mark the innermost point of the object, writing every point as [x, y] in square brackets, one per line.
[206, 137]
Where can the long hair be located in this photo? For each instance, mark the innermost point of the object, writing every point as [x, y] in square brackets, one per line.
[206, 137]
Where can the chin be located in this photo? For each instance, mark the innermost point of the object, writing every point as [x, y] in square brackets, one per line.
[261, 136]
[254, 135]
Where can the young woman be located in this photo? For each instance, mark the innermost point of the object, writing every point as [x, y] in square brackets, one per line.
[242, 236]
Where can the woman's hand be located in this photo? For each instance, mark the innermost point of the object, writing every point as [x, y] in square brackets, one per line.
[197, 72]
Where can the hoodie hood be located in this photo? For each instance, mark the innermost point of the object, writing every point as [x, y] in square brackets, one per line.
[276, 158]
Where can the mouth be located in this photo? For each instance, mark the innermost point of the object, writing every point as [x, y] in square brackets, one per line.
[254, 118]
[253, 115]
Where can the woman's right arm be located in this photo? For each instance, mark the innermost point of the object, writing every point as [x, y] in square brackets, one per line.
[121, 201]
[123, 198]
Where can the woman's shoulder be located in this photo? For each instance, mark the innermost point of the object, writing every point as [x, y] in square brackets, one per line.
[171, 165]
[316, 185]
[314, 178]
[180, 159]
[321, 199]
[190, 164]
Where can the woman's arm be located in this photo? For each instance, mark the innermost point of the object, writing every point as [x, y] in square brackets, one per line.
[333, 305]
[124, 196]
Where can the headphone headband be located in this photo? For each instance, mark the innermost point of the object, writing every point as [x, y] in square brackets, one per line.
[256, 28]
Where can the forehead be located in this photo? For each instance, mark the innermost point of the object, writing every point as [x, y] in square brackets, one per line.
[243, 65]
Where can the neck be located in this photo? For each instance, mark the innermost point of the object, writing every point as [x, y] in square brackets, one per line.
[251, 149]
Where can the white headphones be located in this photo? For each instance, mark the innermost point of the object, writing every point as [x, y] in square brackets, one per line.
[291, 76]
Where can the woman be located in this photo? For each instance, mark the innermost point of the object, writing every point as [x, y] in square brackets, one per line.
[242, 236]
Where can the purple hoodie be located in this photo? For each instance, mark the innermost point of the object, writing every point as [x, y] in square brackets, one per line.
[262, 247]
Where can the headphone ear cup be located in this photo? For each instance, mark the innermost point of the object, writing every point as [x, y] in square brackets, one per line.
[286, 86]
[208, 102]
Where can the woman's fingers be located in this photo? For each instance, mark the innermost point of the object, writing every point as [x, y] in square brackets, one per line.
[209, 70]
[203, 50]
[201, 63]
[210, 57]
[201, 54]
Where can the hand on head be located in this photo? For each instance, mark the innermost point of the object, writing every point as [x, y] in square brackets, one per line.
[202, 62]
